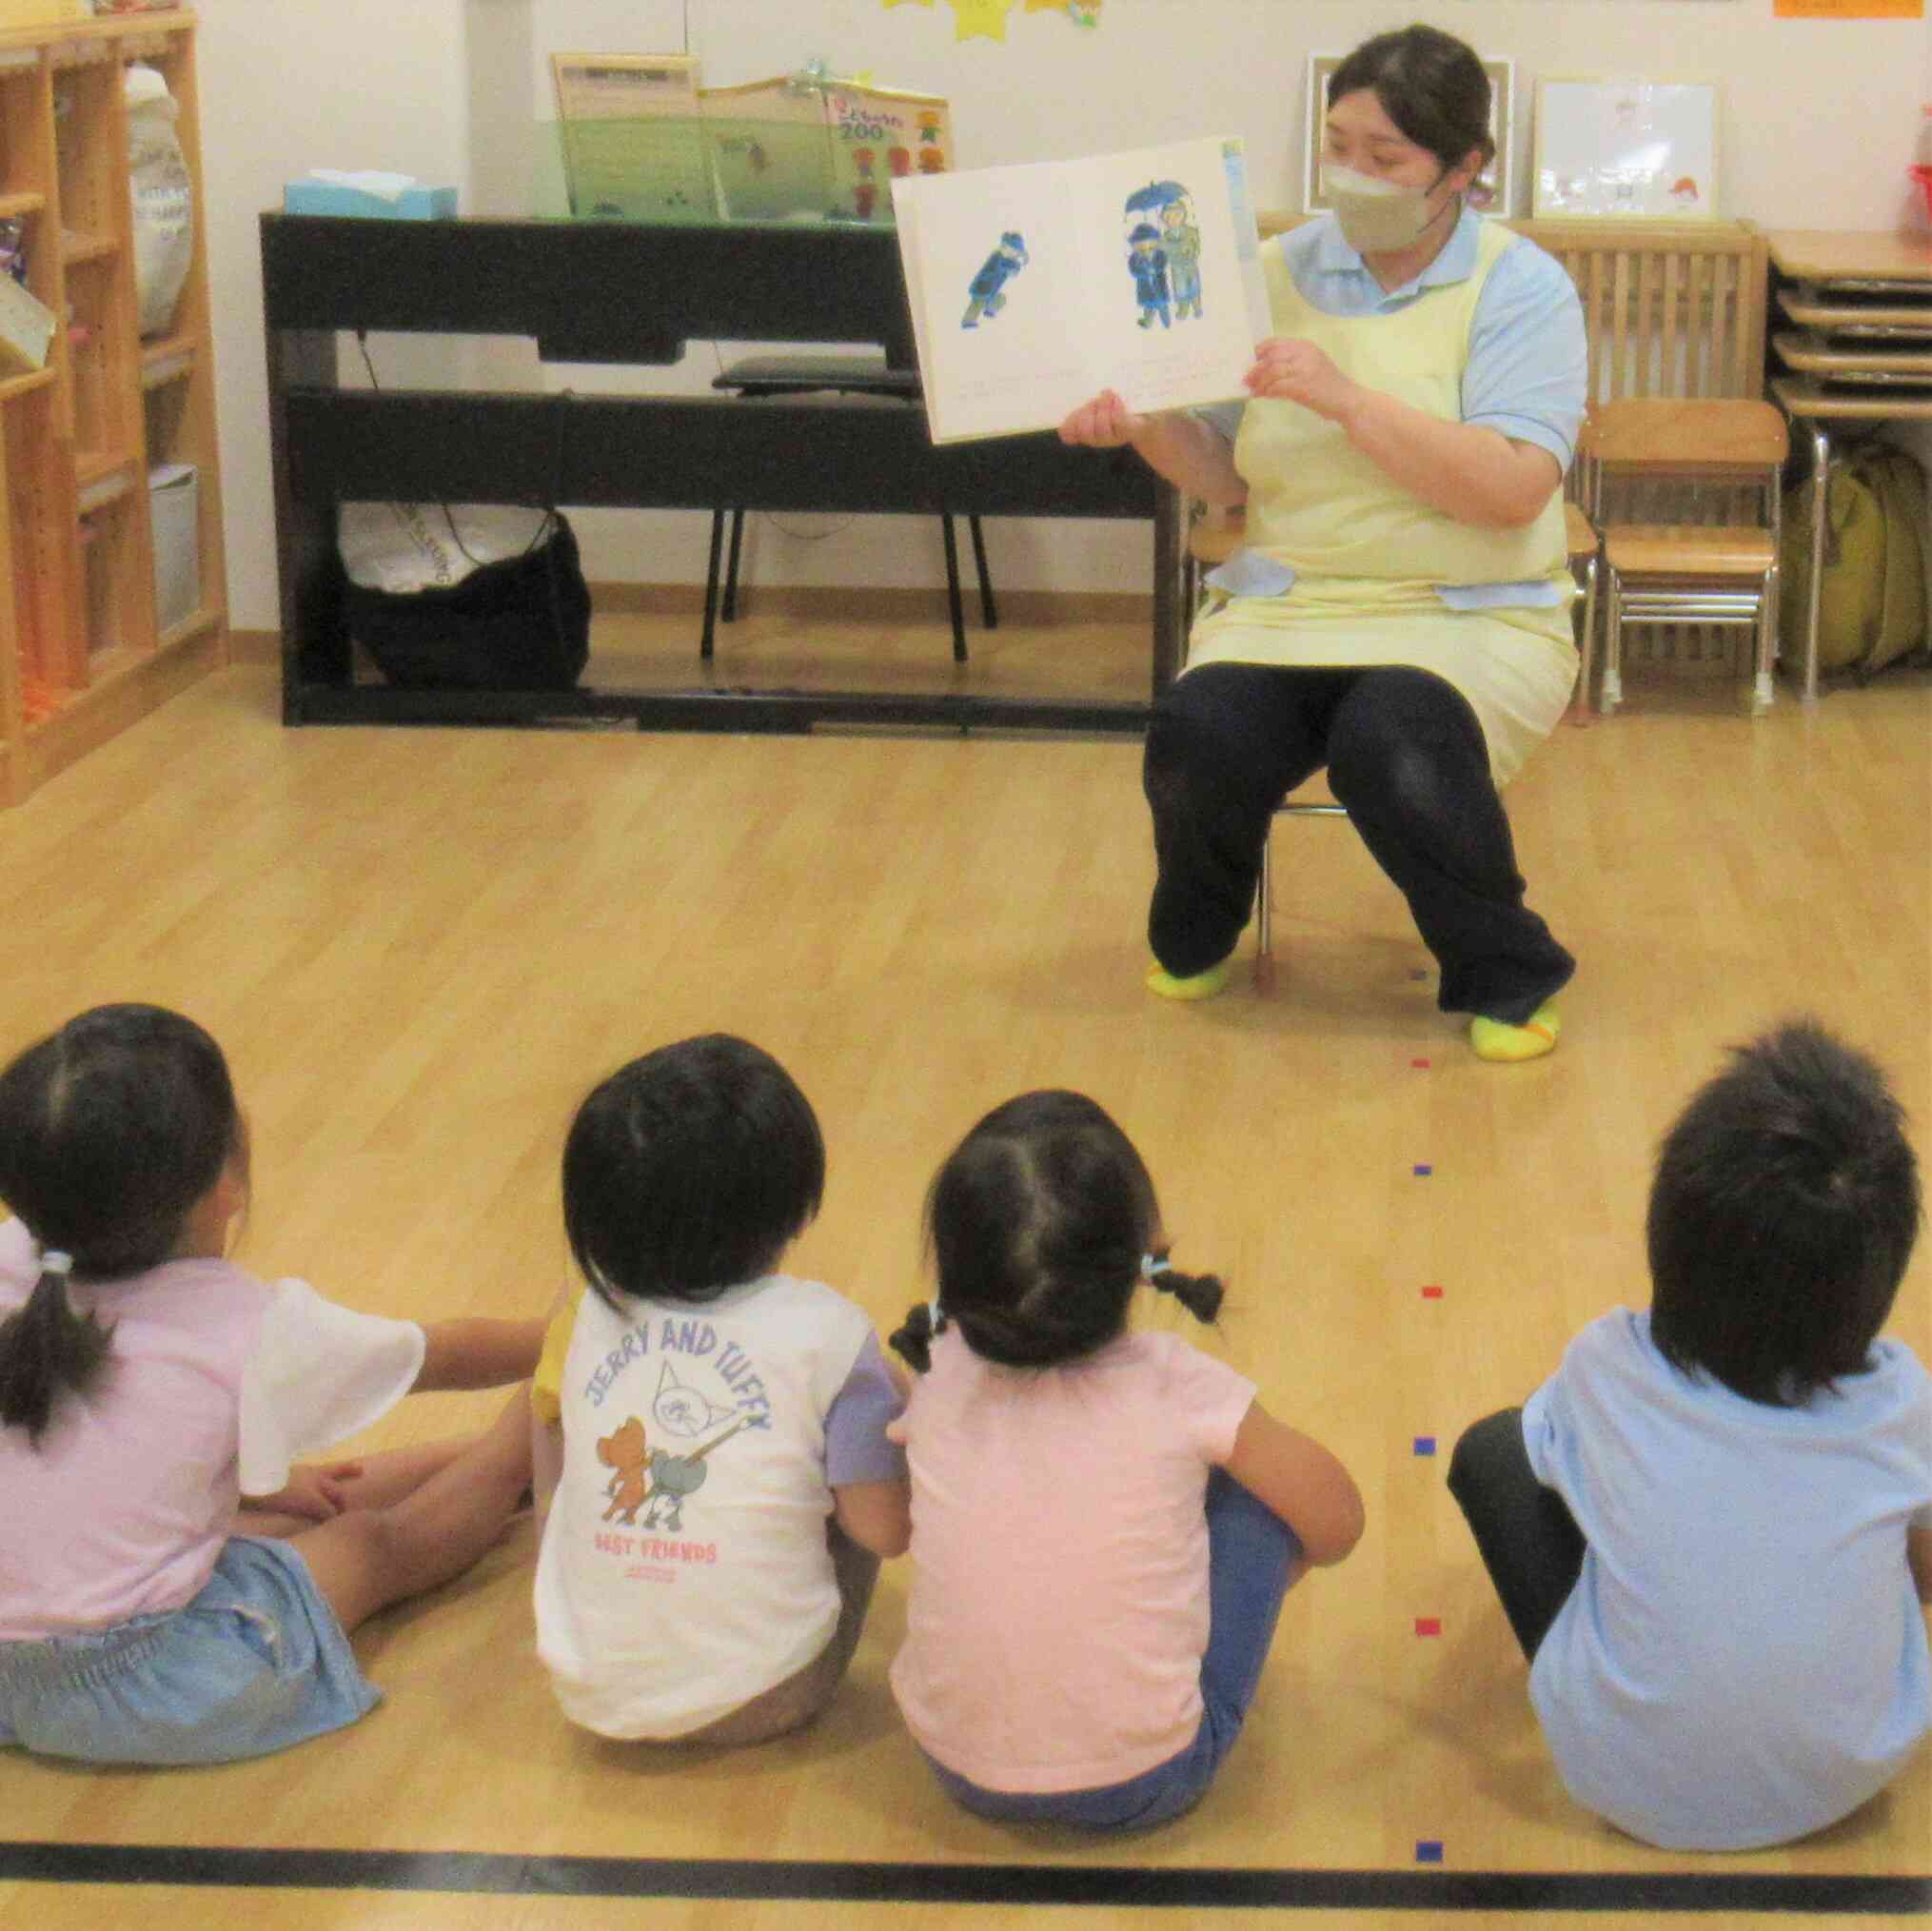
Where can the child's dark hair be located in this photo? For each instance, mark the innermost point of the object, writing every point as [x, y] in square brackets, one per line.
[1040, 1225]
[1784, 1212]
[1431, 85]
[690, 1170]
[111, 1131]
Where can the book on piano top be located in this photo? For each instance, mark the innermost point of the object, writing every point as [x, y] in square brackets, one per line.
[1033, 287]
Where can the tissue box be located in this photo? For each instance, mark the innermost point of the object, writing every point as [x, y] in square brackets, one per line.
[418, 203]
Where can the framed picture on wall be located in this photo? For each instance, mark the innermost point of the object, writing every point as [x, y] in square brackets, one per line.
[1490, 193]
[1629, 149]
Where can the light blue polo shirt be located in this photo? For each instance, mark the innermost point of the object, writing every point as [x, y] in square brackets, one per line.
[1529, 367]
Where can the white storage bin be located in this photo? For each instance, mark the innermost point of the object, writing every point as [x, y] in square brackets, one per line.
[174, 496]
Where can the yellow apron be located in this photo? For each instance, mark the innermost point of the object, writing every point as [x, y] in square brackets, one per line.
[1367, 555]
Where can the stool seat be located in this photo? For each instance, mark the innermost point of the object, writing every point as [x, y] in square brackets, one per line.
[1688, 549]
[795, 375]
[846, 375]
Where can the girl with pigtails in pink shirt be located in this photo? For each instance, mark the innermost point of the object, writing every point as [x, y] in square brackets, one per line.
[1115, 1506]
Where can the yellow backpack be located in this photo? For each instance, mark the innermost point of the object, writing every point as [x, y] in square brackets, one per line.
[1871, 609]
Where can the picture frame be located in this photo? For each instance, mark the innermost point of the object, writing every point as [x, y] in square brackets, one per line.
[1493, 191]
[1625, 149]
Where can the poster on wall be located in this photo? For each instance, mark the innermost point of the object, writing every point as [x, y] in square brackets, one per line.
[1633, 149]
[1491, 191]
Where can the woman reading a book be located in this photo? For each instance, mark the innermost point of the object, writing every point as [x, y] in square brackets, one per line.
[1399, 612]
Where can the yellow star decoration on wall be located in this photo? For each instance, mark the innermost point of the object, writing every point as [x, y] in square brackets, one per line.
[989, 16]
[980, 16]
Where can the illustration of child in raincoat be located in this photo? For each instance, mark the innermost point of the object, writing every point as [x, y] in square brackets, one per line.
[1005, 261]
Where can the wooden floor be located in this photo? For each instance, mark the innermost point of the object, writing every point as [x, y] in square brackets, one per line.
[419, 948]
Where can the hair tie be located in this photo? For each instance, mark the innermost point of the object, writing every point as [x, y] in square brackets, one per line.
[1152, 1265]
[52, 1261]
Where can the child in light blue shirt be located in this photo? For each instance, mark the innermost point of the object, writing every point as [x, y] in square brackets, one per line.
[1711, 1528]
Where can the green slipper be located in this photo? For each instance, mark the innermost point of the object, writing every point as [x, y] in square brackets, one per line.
[1498, 1040]
[1199, 986]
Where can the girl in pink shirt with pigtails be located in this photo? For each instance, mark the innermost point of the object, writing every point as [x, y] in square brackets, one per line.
[1115, 1507]
[174, 1588]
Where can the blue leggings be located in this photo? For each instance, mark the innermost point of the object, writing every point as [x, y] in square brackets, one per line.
[1253, 1557]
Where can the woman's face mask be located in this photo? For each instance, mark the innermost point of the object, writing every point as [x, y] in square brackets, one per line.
[1376, 216]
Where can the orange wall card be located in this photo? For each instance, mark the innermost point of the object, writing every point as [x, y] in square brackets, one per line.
[1849, 10]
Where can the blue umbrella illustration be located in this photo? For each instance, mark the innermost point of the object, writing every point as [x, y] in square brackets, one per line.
[1154, 196]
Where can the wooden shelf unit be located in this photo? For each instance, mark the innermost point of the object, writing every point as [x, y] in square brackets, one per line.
[83, 653]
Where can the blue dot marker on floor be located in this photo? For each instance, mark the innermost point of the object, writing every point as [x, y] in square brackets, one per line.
[1429, 1850]
[1425, 1445]
[1423, 1173]
[1419, 972]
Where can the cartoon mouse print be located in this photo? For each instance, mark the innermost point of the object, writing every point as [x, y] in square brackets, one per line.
[627, 1489]
[656, 1479]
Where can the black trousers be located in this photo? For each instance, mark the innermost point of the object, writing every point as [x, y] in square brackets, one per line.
[1406, 755]
[1528, 1538]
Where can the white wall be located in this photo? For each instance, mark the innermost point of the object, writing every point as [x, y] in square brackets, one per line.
[1817, 128]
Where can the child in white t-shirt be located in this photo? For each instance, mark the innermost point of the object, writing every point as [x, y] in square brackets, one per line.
[1711, 1528]
[1104, 1522]
[710, 1432]
[172, 1588]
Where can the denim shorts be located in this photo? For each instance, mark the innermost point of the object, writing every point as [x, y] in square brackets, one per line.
[255, 1662]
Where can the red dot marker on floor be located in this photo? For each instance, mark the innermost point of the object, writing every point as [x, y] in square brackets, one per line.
[1429, 1625]
[1422, 1063]
[1432, 1293]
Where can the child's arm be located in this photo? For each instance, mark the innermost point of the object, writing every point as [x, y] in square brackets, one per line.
[1918, 1558]
[1304, 1485]
[877, 1515]
[865, 1465]
[547, 1403]
[478, 1353]
[547, 1463]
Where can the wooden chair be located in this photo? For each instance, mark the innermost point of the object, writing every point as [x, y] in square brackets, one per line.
[1214, 535]
[1686, 495]
[850, 375]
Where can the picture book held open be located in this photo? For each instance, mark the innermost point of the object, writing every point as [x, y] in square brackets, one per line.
[1033, 287]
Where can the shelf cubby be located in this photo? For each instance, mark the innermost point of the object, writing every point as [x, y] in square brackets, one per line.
[83, 653]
